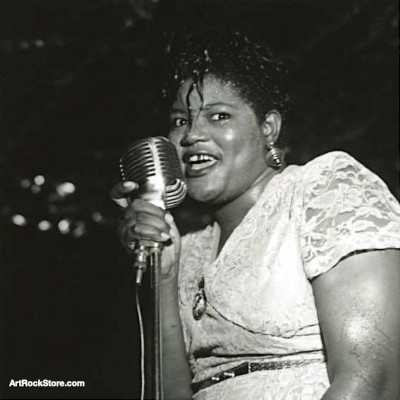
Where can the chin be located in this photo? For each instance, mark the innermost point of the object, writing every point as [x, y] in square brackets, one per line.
[203, 194]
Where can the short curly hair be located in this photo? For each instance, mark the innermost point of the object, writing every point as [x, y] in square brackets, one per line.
[231, 56]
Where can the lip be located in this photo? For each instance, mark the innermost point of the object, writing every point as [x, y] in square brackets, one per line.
[195, 173]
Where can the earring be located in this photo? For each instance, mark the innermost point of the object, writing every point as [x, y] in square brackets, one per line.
[275, 156]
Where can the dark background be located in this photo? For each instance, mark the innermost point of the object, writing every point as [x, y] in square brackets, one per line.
[79, 80]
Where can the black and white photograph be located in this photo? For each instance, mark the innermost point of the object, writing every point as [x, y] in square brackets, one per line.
[199, 199]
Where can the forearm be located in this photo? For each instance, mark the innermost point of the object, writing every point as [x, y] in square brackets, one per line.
[354, 387]
[176, 372]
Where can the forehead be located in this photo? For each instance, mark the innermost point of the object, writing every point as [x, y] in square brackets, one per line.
[213, 91]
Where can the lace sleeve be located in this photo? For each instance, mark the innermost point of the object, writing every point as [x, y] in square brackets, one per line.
[346, 208]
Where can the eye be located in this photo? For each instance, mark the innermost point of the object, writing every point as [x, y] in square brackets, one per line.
[176, 122]
[221, 116]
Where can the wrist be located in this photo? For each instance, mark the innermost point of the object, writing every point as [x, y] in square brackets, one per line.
[171, 275]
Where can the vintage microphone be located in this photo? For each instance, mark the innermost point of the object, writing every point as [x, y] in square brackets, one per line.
[153, 164]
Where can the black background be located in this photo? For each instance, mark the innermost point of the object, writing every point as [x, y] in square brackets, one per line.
[79, 80]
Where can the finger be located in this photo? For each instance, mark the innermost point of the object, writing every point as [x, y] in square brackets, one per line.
[143, 231]
[127, 231]
[154, 221]
[141, 218]
[139, 205]
[123, 202]
[140, 211]
[128, 213]
[122, 189]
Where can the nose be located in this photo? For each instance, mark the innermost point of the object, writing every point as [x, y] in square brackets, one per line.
[193, 134]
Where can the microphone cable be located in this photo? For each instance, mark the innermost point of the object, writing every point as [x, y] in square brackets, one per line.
[142, 355]
[154, 164]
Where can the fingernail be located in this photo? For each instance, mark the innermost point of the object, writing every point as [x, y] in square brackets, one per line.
[171, 233]
[169, 218]
[129, 185]
[164, 235]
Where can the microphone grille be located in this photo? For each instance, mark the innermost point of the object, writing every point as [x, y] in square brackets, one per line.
[155, 156]
[168, 160]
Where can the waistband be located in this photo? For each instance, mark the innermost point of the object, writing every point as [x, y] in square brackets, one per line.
[248, 367]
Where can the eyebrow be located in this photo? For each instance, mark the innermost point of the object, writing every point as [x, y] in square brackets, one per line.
[205, 107]
[218, 104]
[177, 110]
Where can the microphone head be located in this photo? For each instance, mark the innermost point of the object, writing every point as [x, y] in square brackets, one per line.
[153, 164]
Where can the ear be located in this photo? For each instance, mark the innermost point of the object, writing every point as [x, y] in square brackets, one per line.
[272, 125]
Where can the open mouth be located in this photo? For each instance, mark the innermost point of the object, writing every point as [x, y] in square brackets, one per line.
[199, 163]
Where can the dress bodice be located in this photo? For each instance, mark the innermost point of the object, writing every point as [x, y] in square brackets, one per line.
[259, 299]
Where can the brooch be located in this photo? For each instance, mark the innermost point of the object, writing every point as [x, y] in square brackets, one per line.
[200, 302]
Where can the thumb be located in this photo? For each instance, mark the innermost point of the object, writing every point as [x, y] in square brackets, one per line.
[169, 219]
[120, 191]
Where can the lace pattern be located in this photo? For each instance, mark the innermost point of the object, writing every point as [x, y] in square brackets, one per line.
[259, 296]
[346, 208]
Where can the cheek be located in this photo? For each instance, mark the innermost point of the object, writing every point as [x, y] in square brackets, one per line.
[232, 140]
[175, 138]
[243, 144]
[230, 135]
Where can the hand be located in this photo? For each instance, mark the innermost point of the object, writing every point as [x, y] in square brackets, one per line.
[143, 220]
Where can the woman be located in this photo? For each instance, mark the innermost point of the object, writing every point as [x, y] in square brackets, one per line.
[293, 292]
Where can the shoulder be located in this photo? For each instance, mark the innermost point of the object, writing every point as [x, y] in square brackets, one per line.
[337, 172]
[324, 170]
[336, 164]
[344, 208]
[331, 158]
[338, 179]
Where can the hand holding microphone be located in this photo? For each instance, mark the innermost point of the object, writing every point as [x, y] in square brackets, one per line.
[153, 181]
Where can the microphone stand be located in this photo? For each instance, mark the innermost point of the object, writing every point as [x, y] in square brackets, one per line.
[148, 253]
[154, 164]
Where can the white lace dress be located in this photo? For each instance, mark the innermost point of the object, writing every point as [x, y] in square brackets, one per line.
[260, 304]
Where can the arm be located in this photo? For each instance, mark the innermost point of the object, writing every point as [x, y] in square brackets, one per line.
[358, 304]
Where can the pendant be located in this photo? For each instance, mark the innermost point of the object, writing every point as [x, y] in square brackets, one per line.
[200, 302]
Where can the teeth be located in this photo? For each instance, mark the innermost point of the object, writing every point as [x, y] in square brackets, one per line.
[200, 158]
[201, 161]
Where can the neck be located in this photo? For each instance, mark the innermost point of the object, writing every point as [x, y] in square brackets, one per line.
[229, 215]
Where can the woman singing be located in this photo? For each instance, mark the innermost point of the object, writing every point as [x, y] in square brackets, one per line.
[293, 291]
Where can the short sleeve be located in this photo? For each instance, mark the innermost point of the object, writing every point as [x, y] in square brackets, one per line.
[346, 208]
